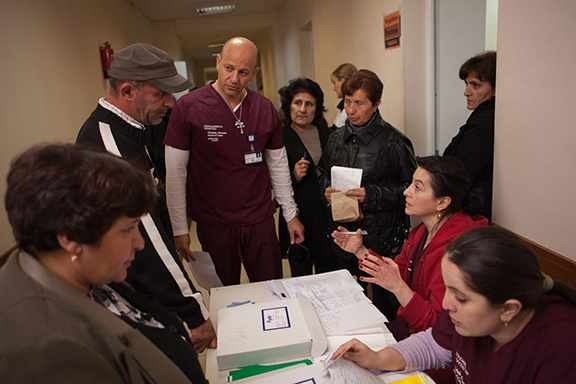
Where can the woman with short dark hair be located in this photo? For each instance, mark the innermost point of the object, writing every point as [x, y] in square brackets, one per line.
[305, 135]
[66, 316]
[474, 143]
[386, 157]
[504, 321]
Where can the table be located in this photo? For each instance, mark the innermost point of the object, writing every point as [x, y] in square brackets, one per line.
[256, 292]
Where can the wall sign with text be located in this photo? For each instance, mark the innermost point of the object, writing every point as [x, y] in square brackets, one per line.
[392, 30]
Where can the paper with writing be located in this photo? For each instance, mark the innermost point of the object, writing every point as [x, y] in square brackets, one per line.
[345, 178]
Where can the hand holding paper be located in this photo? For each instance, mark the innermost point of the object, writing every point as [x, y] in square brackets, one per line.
[358, 193]
[388, 359]
[182, 244]
[328, 193]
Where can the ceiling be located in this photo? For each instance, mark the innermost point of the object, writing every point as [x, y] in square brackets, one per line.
[166, 10]
[195, 46]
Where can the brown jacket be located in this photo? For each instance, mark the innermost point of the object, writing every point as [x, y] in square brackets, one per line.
[51, 333]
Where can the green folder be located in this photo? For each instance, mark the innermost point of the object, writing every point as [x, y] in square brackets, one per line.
[253, 370]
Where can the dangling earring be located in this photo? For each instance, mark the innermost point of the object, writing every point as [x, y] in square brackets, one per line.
[74, 258]
[439, 215]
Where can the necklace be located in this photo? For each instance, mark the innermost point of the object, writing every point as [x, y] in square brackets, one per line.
[435, 229]
[239, 124]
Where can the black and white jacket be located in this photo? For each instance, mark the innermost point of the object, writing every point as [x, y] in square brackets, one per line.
[157, 271]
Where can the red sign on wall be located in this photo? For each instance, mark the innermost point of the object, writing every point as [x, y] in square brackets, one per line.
[392, 30]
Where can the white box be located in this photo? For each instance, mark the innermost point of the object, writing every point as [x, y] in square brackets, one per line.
[266, 332]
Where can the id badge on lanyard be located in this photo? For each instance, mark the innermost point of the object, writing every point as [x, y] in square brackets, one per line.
[252, 157]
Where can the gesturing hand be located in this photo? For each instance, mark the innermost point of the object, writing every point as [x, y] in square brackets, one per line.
[386, 274]
[350, 243]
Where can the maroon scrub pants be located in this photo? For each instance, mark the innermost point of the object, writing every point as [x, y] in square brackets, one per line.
[254, 245]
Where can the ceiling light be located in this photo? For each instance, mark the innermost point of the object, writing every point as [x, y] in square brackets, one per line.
[215, 10]
[216, 45]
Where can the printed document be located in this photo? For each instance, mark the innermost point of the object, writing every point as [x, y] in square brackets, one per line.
[338, 299]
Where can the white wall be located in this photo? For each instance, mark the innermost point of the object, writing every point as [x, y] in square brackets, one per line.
[52, 76]
[460, 34]
[418, 40]
[343, 31]
[491, 25]
[535, 160]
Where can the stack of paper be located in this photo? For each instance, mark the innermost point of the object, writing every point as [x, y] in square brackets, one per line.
[344, 178]
[338, 299]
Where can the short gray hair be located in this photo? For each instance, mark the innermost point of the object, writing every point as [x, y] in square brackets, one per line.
[115, 84]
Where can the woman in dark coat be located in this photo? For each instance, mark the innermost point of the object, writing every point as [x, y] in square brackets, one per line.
[474, 143]
[305, 135]
[386, 157]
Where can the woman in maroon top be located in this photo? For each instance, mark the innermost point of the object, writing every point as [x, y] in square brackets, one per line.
[440, 196]
[504, 321]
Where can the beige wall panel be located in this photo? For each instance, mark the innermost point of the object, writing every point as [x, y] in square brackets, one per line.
[534, 171]
[52, 71]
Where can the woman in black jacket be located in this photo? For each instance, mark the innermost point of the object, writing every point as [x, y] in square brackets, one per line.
[387, 159]
[305, 135]
[474, 143]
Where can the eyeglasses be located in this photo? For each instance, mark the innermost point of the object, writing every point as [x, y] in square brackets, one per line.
[297, 254]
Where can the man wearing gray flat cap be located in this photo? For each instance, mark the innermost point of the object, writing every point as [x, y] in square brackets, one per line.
[142, 80]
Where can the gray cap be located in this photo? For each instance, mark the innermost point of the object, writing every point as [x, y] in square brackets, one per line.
[144, 62]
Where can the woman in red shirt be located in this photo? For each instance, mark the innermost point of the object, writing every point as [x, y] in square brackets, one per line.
[440, 196]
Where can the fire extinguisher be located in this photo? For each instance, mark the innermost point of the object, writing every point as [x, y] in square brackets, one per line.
[106, 52]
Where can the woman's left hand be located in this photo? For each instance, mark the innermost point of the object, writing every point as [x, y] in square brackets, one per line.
[386, 274]
[359, 193]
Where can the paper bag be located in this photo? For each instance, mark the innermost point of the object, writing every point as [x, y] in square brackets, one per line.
[345, 209]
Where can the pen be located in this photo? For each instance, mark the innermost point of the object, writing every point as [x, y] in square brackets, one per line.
[304, 157]
[363, 233]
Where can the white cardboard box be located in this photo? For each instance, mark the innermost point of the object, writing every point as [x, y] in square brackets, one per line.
[266, 332]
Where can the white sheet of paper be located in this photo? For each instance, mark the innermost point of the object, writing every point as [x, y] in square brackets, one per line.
[361, 316]
[343, 371]
[336, 296]
[204, 271]
[344, 178]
